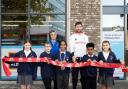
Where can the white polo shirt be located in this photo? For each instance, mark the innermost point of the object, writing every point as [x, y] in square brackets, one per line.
[78, 43]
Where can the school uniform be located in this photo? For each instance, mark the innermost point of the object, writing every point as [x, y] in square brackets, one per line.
[78, 48]
[47, 73]
[53, 51]
[106, 74]
[62, 76]
[26, 70]
[89, 73]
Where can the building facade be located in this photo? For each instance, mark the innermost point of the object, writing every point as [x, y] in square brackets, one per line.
[33, 19]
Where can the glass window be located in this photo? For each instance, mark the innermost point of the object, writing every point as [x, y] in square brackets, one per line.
[112, 2]
[48, 6]
[46, 16]
[13, 29]
[39, 31]
[24, 19]
[127, 30]
[14, 6]
[113, 21]
[127, 2]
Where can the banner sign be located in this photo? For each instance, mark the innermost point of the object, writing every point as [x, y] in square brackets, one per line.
[10, 51]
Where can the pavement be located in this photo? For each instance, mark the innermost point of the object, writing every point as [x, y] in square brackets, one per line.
[119, 84]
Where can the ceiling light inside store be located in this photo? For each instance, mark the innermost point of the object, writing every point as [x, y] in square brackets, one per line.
[9, 25]
[41, 25]
[14, 21]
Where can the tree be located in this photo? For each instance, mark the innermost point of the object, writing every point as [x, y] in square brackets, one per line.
[21, 6]
[20, 10]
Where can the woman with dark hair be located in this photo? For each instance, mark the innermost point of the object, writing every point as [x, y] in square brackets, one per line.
[106, 79]
[26, 69]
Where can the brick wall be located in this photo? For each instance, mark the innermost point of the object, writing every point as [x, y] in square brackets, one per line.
[88, 12]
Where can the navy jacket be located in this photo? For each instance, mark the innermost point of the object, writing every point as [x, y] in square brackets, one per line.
[89, 70]
[106, 71]
[55, 47]
[27, 68]
[46, 69]
[67, 58]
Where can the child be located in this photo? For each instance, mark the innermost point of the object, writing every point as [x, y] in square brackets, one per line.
[89, 73]
[62, 73]
[26, 69]
[106, 74]
[47, 69]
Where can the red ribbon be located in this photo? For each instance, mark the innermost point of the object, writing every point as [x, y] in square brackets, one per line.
[6, 69]
[58, 63]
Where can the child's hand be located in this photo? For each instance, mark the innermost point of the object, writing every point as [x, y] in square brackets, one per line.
[56, 60]
[122, 62]
[47, 61]
[94, 61]
[62, 68]
[101, 61]
[89, 60]
[64, 61]
[74, 58]
[62, 65]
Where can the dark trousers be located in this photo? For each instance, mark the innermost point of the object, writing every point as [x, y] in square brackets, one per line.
[75, 73]
[55, 82]
[62, 80]
[47, 83]
[90, 82]
[54, 78]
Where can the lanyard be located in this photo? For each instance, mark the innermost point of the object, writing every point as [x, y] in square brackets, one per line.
[61, 59]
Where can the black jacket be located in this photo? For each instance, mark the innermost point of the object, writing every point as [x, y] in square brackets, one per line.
[27, 68]
[107, 71]
[89, 70]
[46, 69]
[67, 59]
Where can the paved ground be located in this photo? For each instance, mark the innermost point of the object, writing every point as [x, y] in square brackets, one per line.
[119, 84]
